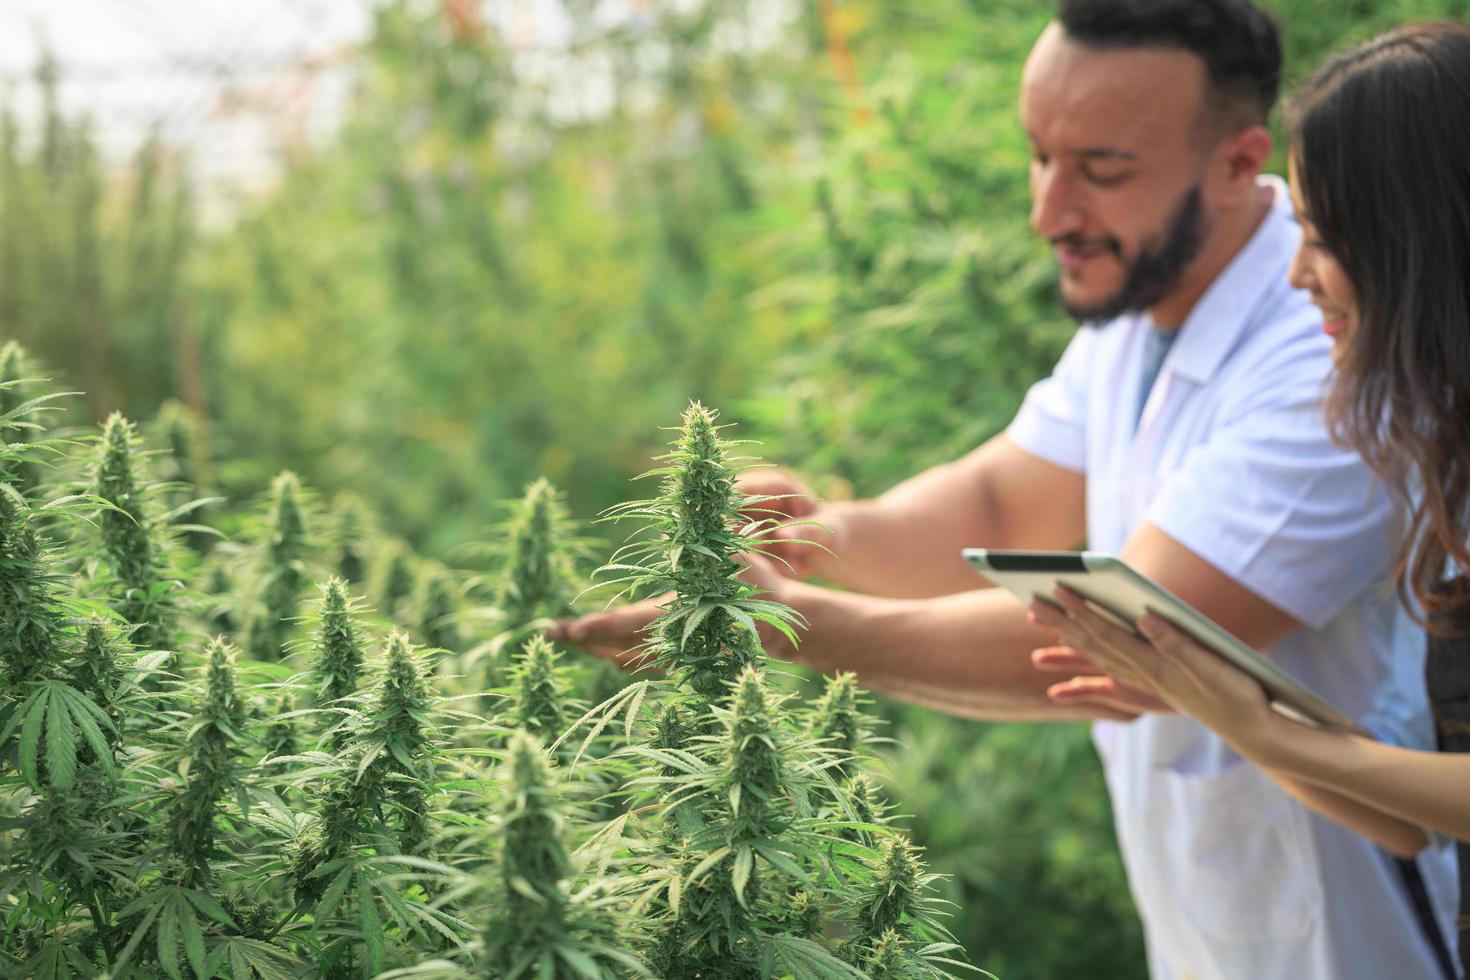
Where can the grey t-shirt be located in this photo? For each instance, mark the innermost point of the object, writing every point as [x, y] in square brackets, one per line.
[1156, 344]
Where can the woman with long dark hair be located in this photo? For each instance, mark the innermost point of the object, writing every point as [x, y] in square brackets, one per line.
[1380, 176]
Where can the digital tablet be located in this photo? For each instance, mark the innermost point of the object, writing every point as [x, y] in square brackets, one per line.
[1124, 596]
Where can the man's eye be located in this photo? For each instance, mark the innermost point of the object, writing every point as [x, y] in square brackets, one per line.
[1107, 179]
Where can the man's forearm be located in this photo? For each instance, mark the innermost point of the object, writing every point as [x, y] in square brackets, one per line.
[967, 655]
[890, 548]
[906, 543]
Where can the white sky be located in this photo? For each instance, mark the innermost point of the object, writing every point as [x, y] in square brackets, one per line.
[225, 80]
[231, 81]
[218, 78]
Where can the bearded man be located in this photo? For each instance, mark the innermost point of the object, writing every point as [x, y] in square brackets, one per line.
[1183, 430]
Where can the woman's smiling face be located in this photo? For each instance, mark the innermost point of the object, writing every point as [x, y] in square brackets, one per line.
[1316, 270]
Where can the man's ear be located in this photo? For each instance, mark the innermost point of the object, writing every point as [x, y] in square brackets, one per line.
[1241, 158]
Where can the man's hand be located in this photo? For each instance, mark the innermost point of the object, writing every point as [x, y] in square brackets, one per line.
[621, 634]
[795, 529]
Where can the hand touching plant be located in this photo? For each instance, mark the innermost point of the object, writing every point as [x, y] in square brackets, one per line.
[701, 553]
[800, 529]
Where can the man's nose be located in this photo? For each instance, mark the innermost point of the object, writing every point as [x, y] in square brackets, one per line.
[1055, 210]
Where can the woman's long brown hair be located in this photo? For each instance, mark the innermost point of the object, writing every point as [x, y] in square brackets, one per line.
[1381, 145]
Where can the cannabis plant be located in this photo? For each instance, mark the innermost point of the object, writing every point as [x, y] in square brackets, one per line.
[339, 657]
[15, 385]
[393, 580]
[539, 576]
[133, 538]
[99, 673]
[281, 737]
[183, 466]
[865, 809]
[34, 604]
[752, 864]
[435, 607]
[694, 537]
[351, 530]
[723, 831]
[375, 802]
[541, 708]
[380, 791]
[838, 720]
[31, 624]
[534, 553]
[764, 847]
[399, 736]
[285, 570]
[179, 432]
[897, 931]
[541, 926]
[211, 767]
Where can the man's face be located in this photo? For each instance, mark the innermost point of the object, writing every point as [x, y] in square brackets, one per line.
[1116, 169]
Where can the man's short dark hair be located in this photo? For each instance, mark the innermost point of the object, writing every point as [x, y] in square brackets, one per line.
[1239, 43]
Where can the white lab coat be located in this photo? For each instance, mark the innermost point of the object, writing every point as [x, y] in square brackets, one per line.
[1233, 879]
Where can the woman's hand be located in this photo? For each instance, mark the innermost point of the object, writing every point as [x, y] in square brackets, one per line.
[1165, 664]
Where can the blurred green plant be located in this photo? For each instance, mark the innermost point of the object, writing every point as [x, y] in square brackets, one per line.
[284, 572]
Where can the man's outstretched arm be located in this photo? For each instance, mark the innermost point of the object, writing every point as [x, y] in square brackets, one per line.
[967, 654]
[906, 543]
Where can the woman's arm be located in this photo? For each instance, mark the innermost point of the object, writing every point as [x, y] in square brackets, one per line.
[1382, 791]
[1401, 837]
[1430, 789]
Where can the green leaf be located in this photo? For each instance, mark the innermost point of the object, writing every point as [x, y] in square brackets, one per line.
[83, 705]
[208, 905]
[779, 860]
[634, 703]
[61, 743]
[580, 961]
[168, 940]
[334, 892]
[239, 964]
[34, 711]
[268, 961]
[371, 928]
[90, 731]
[137, 937]
[743, 618]
[697, 616]
[713, 858]
[193, 941]
[740, 873]
[781, 624]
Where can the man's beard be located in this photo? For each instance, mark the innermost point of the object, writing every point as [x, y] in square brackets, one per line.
[1155, 273]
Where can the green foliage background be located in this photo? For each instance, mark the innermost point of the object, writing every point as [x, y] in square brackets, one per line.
[485, 277]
